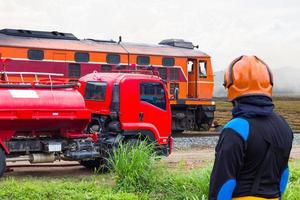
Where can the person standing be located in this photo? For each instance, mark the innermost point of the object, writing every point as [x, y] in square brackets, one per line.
[251, 160]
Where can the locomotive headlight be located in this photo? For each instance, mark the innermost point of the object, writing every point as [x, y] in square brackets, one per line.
[213, 103]
[78, 85]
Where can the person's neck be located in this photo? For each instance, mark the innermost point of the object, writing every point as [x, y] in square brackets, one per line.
[252, 106]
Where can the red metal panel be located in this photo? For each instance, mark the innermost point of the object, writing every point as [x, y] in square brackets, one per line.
[36, 66]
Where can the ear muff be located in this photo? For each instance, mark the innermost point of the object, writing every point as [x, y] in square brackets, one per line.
[269, 71]
[230, 68]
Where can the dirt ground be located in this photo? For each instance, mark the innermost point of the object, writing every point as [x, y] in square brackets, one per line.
[195, 158]
[188, 159]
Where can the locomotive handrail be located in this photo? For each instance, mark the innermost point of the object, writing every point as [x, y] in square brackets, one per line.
[15, 85]
[65, 85]
[138, 71]
[48, 80]
[35, 85]
[32, 73]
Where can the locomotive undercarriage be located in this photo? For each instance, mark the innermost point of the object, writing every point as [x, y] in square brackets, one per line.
[191, 117]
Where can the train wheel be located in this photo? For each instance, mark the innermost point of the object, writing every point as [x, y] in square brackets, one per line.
[2, 162]
[99, 165]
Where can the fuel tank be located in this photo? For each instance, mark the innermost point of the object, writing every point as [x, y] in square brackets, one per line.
[30, 110]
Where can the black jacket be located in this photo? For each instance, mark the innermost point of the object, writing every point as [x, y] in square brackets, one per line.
[252, 158]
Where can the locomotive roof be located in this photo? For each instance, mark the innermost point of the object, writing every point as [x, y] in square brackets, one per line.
[97, 46]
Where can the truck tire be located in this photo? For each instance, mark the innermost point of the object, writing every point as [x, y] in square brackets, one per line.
[99, 165]
[2, 162]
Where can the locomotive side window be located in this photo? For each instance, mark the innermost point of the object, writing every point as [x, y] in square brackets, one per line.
[202, 69]
[174, 75]
[190, 66]
[74, 70]
[95, 91]
[121, 67]
[82, 57]
[35, 54]
[154, 94]
[113, 58]
[173, 87]
[162, 73]
[143, 60]
[105, 68]
[168, 61]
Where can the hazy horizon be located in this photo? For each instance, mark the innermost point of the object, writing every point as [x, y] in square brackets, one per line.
[286, 82]
[223, 29]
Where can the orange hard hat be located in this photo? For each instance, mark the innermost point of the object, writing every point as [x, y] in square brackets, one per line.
[248, 75]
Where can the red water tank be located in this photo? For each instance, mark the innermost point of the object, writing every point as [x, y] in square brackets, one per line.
[32, 109]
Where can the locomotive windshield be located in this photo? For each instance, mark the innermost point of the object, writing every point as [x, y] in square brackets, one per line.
[95, 91]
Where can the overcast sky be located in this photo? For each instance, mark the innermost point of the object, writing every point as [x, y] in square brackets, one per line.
[224, 29]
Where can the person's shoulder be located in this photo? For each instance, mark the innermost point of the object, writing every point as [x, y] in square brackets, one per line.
[280, 120]
[278, 117]
[239, 126]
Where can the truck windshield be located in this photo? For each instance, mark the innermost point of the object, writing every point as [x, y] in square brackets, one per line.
[95, 91]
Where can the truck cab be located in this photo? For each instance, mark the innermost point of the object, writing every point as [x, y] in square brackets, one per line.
[128, 107]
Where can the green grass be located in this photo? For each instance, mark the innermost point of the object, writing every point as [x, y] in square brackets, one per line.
[135, 174]
[31, 189]
[133, 166]
[293, 189]
[138, 171]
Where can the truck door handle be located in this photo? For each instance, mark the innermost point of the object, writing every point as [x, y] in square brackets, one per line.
[141, 116]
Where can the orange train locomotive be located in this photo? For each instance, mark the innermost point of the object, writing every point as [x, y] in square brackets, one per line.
[187, 72]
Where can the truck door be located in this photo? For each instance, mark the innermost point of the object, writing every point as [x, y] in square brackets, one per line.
[192, 78]
[154, 106]
[144, 104]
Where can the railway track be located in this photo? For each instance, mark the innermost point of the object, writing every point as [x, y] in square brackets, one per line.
[192, 134]
[195, 134]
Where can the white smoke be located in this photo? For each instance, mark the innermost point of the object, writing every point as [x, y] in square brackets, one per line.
[286, 82]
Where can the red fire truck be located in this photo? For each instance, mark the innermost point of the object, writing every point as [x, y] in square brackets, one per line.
[48, 120]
